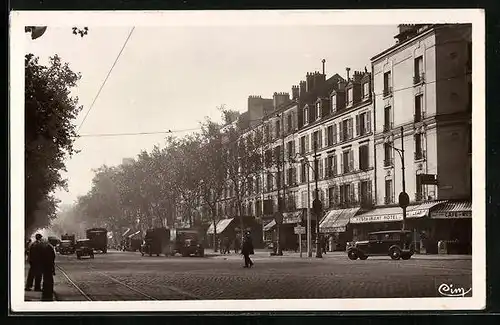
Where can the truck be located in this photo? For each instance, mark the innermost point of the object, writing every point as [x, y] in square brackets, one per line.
[98, 239]
[187, 242]
[156, 242]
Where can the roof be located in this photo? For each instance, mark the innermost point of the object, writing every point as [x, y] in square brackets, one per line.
[455, 206]
[221, 226]
[336, 219]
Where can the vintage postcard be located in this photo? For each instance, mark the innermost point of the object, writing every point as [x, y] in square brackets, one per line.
[247, 160]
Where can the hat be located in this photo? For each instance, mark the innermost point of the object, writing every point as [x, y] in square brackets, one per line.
[38, 236]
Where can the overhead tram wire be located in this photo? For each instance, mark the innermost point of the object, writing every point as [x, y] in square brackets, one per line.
[106, 79]
[254, 120]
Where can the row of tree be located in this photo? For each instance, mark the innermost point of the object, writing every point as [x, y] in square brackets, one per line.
[175, 181]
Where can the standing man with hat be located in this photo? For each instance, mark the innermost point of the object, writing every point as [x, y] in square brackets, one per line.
[47, 268]
[34, 259]
[247, 249]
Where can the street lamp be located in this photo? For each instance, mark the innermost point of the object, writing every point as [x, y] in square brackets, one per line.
[403, 199]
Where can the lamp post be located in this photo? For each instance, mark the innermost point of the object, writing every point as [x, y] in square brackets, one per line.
[317, 206]
[403, 199]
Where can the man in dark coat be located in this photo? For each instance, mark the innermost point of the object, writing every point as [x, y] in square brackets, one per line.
[34, 258]
[47, 268]
[247, 249]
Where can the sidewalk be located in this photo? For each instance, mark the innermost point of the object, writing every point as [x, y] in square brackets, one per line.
[61, 288]
[264, 253]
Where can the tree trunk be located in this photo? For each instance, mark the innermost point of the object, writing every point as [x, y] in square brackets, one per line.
[215, 231]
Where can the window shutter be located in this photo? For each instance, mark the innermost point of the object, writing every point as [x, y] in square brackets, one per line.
[341, 133]
[368, 122]
[307, 143]
[335, 172]
[357, 125]
[350, 123]
[358, 189]
[336, 193]
[293, 148]
[351, 160]
[351, 192]
[369, 192]
[294, 175]
[334, 133]
[341, 163]
[320, 140]
[327, 167]
[326, 198]
[320, 169]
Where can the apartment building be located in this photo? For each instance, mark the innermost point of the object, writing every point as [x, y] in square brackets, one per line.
[423, 91]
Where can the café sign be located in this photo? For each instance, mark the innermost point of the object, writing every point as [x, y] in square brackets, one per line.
[452, 215]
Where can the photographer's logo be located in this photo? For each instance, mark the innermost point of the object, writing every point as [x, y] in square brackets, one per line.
[448, 290]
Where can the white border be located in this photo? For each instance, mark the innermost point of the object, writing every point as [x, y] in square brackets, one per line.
[202, 18]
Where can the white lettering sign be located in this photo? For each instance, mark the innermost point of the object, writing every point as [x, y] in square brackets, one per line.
[299, 230]
[452, 215]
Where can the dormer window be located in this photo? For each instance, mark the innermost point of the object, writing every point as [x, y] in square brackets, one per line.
[334, 103]
[318, 110]
[366, 90]
[306, 115]
[350, 98]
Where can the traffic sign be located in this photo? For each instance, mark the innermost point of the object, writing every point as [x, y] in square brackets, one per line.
[299, 230]
[404, 199]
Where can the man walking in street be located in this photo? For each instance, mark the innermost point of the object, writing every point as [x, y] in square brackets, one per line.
[47, 268]
[247, 250]
[34, 259]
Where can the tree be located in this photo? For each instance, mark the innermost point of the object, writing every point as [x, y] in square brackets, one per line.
[49, 135]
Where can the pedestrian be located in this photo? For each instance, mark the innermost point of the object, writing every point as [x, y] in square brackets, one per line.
[34, 259]
[236, 245]
[247, 250]
[323, 244]
[227, 245]
[47, 267]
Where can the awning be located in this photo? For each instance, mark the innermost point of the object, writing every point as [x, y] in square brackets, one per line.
[292, 217]
[453, 210]
[221, 226]
[337, 220]
[393, 214]
[269, 225]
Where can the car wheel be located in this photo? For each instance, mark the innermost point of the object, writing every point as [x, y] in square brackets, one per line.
[405, 256]
[395, 253]
[363, 257]
[352, 255]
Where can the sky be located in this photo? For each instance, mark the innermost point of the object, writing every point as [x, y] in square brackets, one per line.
[172, 77]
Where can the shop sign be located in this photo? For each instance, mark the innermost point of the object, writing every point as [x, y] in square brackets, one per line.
[452, 215]
[333, 229]
[381, 218]
[299, 230]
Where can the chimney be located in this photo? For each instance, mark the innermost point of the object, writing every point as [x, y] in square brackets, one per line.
[323, 61]
[295, 92]
[280, 99]
[309, 81]
[302, 88]
[347, 69]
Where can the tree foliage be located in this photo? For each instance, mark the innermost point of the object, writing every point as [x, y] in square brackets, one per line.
[49, 135]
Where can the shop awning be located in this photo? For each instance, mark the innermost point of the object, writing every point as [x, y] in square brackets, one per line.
[337, 220]
[292, 217]
[221, 226]
[453, 210]
[393, 214]
[270, 225]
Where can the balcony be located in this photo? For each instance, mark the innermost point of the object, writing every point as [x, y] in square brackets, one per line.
[418, 79]
[387, 126]
[388, 162]
[419, 155]
[387, 91]
[388, 199]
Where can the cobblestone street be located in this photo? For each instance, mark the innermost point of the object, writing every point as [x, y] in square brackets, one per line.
[130, 276]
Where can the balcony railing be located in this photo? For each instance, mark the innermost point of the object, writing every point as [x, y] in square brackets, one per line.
[387, 126]
[419, 78]
[387, 91]
[388, 162]
[388, 200]
[419, 155]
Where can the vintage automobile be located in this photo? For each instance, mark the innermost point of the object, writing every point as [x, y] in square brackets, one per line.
[84, 248]
[394, 243]
[66, 247]
[192, 246]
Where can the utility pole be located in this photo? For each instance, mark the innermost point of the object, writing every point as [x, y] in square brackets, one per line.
[317, 202]
[309, 235]
[404, 200]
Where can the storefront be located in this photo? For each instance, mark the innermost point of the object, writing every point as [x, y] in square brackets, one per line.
[334, 226]
[452, 224]
[288, 239]
[390, 218]
[222, 228]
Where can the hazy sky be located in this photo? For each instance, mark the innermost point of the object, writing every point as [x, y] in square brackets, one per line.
[172, 77]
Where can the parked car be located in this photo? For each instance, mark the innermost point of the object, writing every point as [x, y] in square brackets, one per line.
[84, 248]
[66, 247]
[192, 247]
[394, 243]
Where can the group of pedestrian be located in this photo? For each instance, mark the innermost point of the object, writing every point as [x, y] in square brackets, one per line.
[41, 258]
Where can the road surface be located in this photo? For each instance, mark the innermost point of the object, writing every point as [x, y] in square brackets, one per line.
[130, 276]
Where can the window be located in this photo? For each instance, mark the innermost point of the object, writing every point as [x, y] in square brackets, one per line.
[257, 184]
[306, 115]
[278, 179]
[387, 154]
[419, 154]
[387, 84]
[320, 169]
[289, 124]
[318, 110]
[346, 129]
[366, 90]
[365, 193]
[277, 154]
[332, 196]
[350, 98]
[268, 158]
[278, 128]
[331, 166]
[334, 103]
[303, 144]
[363, 124]
[303, 172]
[347, 161]
[363, 157]
[269, 182]
[388, 191]
[329, 135]
[387, 118]
[418, 108]
[346, 194]
[317, 138]
[418, 70]
[419, 190]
